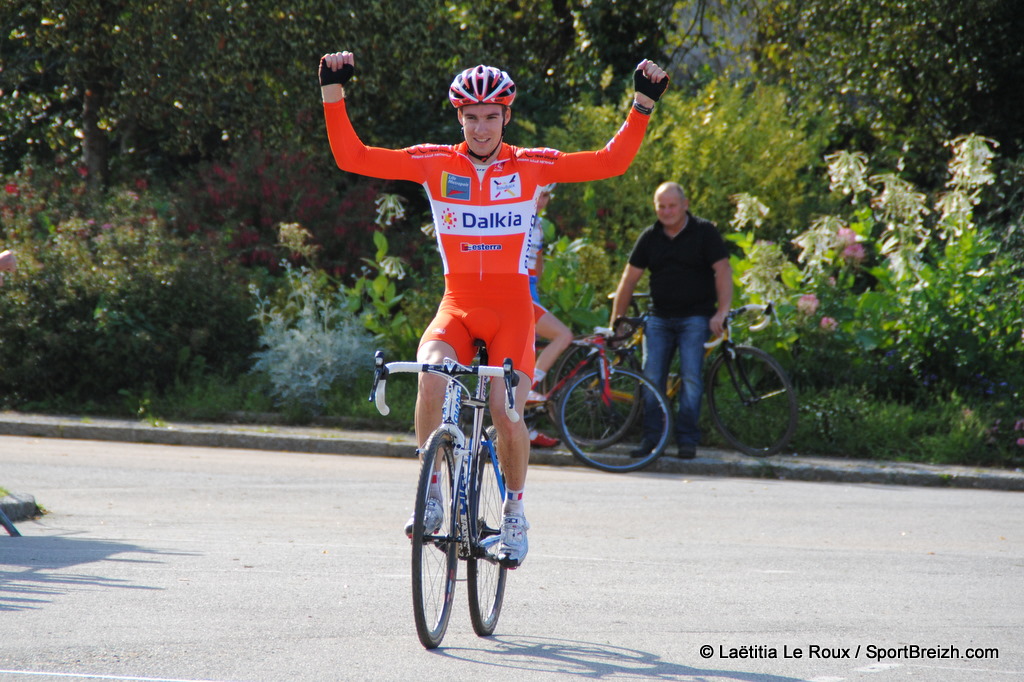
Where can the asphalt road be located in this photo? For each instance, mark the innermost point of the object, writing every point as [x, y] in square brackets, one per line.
[181, 563]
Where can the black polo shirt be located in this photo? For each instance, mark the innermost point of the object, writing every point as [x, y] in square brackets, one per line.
[682, 279]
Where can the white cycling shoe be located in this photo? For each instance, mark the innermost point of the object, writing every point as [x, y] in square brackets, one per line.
[433, 518]
[514, 544]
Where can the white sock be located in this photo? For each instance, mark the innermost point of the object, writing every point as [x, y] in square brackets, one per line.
[513, 502]
[538, 376]
[435, 487]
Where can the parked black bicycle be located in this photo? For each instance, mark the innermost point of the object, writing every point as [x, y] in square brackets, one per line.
[750, 398]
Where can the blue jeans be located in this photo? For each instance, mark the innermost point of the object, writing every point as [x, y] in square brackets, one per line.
[662, 337]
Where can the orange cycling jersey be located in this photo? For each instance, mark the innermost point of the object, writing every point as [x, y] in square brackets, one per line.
[483, 221]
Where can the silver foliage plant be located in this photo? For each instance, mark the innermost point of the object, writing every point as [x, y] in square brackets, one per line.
[310, 339]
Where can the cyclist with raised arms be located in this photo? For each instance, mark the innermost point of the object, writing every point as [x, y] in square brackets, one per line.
[483, 196]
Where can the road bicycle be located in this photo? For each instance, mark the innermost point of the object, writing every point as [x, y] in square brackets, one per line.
[465, 469]
[597, 406]
[750, 398]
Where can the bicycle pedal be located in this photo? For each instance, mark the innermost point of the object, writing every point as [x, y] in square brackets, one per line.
[505, 562]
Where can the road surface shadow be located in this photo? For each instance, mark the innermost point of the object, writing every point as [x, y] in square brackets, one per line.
[591, 660]
[33, 570]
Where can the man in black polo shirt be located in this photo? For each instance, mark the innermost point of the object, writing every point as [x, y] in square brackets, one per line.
[691, 292]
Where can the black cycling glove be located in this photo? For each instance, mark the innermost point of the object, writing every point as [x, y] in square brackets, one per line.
[328, 76]
[646, 86]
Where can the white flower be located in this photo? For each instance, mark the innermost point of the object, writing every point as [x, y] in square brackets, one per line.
[390, 209]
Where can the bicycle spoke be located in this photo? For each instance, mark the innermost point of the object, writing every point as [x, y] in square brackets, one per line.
[752, 402]
[602, 423]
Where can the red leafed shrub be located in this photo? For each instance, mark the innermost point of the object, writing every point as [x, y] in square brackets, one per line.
[239, 203]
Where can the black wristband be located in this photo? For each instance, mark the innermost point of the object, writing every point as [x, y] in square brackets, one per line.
[646, 86]
[646, 111]
[328, 76]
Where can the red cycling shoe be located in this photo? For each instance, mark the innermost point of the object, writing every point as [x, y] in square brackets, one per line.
[542, 440]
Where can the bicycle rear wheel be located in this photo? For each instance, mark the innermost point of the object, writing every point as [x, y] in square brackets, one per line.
[602, 422]
[751, 401]
[486, 576]
[434, 558]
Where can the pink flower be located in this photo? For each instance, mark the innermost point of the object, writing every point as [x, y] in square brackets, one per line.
[854, 253]
[1019, 426]
[1020, 442]
[807, 304]
[846, 237]
[11, 188]
[829, 324]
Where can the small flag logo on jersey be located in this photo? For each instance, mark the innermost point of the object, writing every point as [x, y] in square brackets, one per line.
[454, 186]
[506, 187]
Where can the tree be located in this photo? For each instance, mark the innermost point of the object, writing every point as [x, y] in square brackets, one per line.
[731, 138]
[901, 74]
[138, 82]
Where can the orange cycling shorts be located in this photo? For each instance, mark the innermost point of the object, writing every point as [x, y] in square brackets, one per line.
[497, 310]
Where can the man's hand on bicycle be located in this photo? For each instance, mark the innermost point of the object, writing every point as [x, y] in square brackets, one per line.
[718, 322]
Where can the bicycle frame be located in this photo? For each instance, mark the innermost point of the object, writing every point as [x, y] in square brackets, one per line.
[726, 345]
[597, 343]
[457, 396]
[723, 342]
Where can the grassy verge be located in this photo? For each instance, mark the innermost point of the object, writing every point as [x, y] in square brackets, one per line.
[841, 422]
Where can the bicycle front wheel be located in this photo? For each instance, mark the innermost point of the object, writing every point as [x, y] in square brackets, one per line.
[434, 558]
[602, 422]
[751, 401]
[486, 576]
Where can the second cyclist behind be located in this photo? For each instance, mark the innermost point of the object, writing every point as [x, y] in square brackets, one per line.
[549, 327]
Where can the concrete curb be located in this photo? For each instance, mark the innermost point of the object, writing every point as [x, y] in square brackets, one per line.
[340, 441]
[19, 507]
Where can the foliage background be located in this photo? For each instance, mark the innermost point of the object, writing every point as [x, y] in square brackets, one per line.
[147, 190]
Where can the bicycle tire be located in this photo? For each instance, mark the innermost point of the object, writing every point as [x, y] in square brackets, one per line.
[752, 401]
[603, 432]
[486, 577]
[434, 557]
[594, 425]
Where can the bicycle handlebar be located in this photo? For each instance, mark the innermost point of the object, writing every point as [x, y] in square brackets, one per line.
[449, 369]
[766, 311]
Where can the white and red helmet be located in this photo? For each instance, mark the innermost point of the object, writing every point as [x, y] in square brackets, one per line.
[482, 85]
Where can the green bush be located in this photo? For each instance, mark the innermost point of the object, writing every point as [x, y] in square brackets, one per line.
[108, 299]
[574, 284]
[852, 422]
[731, 138]
[905, 296]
